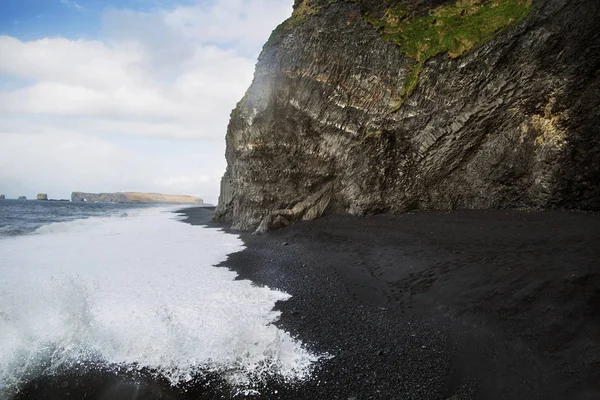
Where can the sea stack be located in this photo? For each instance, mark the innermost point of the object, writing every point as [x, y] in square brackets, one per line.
[2, 197]
[371, 107]
[22, 198]
[42, 196]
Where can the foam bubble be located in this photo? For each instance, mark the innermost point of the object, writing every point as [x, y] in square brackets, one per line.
[137, 292]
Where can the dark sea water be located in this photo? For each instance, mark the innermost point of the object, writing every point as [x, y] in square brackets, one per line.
[20, 217]
[123, 301]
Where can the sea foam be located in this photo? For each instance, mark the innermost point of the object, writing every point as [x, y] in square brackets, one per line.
[137, 292]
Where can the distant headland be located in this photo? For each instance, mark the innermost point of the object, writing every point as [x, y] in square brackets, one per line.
[135, 197]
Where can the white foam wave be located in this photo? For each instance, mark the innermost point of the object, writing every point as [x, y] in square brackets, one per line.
[89, 222]
[137, 292]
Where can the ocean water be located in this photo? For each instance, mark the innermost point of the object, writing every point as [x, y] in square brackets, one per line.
[21, 217]
[124, 289]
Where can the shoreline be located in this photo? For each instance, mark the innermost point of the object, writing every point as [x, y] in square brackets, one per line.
[436, 305]
[429, 305]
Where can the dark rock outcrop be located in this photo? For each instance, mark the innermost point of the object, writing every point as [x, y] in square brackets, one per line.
[42, 196]
[134, 197]
[2, 197]
[22, 198]
[348, 112]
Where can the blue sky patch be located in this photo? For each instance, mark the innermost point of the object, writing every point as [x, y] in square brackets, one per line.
[36, 19]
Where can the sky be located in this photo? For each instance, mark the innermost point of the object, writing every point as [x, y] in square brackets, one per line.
[124, 95]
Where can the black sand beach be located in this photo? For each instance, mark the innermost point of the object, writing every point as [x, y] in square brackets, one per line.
[435, 305]
[431, 305]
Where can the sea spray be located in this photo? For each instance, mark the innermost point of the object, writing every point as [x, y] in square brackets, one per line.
[137, 293]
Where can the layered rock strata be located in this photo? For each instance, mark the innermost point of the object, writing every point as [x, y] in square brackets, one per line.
[371, 107]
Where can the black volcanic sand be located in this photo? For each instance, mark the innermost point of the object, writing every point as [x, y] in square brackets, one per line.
[430, 305]
[434, 305]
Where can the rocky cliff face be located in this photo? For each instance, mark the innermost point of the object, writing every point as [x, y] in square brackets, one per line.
[42, 196]
[370, 107]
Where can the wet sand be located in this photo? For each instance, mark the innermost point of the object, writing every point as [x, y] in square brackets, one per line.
[437, 305]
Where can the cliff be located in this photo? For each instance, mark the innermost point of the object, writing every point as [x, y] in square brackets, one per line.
[134, 197]
[368, 106]
[42, 196]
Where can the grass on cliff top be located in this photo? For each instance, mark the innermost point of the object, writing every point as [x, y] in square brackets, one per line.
[303, 12]
[454, 29]
[299, 16]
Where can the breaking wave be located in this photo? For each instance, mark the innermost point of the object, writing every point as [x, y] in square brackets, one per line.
[137, 293]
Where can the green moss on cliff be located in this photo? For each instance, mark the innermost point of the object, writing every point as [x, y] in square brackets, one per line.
[410, 83]
[300, 14]
[306, 9]
[303, 12]
[453, 29]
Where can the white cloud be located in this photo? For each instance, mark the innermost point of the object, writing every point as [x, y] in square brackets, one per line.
[164, 74]
[72, 4]
[117, 80]
[58, 162]
[77, 62]
[241, 23]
